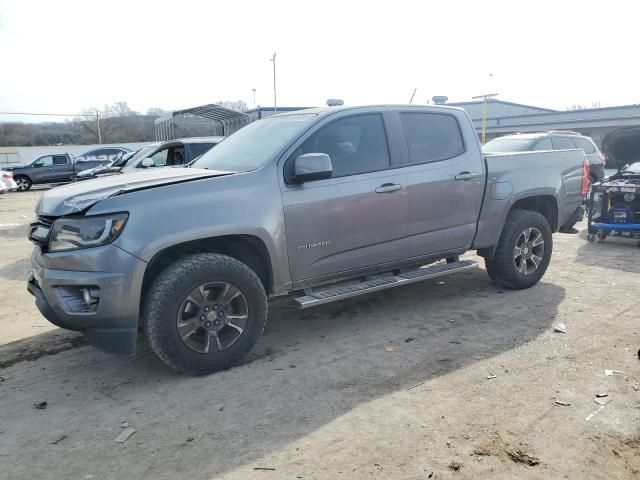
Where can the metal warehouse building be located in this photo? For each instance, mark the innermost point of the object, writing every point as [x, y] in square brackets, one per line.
[616, 130]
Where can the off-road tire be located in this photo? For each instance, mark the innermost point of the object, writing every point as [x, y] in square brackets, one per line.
[25, 181]
[502, 268]
[166, 295]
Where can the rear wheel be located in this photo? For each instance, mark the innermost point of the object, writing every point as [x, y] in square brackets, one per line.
[204, 312]
[524, 251]
[24, 183]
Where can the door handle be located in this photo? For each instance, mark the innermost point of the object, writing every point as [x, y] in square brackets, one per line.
[388, 188]
[467, 176]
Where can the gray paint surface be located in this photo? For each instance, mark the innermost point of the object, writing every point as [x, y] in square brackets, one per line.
[314, 232]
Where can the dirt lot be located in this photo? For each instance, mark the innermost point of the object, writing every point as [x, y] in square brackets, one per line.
[321, 397]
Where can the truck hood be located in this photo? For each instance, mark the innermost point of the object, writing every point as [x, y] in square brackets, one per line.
[76, 197]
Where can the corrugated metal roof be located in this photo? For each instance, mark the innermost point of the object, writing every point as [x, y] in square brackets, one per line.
[228, 120]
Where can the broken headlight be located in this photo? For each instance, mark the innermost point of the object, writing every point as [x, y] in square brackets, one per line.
[71, 233]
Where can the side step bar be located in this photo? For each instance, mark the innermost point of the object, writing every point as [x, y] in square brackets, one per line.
[334, 294]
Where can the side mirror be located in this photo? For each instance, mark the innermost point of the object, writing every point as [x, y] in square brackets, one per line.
[37, 165]
[147, 162]
[312, 166]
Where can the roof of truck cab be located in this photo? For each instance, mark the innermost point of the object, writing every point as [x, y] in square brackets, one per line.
[328, 110]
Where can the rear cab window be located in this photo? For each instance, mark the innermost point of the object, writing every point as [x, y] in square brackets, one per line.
[197, 149]
[432, 137]
[60, 160]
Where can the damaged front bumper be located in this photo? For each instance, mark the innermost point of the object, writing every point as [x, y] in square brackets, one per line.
[100, 297]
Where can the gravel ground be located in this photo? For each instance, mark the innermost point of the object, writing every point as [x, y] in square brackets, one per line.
[469, 390]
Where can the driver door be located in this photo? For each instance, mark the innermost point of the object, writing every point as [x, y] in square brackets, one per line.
[356, 219]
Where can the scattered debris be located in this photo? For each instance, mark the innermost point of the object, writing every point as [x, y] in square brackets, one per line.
[491, 376]
[124, 424]
[40, 405]
[593, 414]
[495, 446]
[451, 321]
[602, 395]
[58, 440]
[560, 328]
[608, 373]
[124, 435]
[265, 468]
[190, 439]
[638, 354]
[520, 456]
[440, 283]
[430, 475]
[562, 403]
[416, 385]
[455, 466]
[409, 339]
[602, 401]
[389, 348]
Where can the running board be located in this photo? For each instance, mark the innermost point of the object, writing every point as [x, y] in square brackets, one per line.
[334, 294]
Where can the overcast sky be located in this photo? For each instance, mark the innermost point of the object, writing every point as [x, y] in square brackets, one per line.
[65, 56]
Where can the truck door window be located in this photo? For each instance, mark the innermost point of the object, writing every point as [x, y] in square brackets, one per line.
[44, 162]
[60, 160]
[355, 144]
[198, 149]
[160, 158]
[563, 143]
[432, 137]
[544, 144]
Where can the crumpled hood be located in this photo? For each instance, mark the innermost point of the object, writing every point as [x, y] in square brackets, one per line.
[75, 197]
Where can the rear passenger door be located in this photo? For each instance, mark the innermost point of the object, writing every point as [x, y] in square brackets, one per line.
[445, 181]
[62, 169]
[357, 218]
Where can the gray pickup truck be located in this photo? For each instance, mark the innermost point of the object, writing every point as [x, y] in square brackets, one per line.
[61, 167]
[323, 204]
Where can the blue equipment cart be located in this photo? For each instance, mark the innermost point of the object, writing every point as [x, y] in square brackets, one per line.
[614, 206]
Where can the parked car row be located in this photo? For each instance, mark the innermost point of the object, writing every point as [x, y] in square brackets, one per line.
[63, 167]
[60, 167]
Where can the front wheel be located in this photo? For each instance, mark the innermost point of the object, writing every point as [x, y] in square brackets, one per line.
[524, 251]
[204, 312]
[24, 183]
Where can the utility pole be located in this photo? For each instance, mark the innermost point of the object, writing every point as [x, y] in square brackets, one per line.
[484, 112]
[98, 126]
[275, 104]
[254, 97]
[413, 95]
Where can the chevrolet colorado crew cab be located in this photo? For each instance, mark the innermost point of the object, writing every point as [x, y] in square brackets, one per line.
[323, 204]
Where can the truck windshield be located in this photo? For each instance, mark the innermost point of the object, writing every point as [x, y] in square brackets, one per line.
[252, 146]
[501, 145]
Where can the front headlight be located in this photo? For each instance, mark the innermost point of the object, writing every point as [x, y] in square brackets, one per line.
[70, 233]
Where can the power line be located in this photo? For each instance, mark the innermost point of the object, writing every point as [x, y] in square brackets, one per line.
[50, 114]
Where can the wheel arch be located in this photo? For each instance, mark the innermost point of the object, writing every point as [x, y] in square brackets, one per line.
[544, 204]
[247, 249]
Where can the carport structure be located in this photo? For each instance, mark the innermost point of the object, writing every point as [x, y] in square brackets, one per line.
[222, 120]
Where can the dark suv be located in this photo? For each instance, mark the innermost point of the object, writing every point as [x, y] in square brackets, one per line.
[553, 140]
